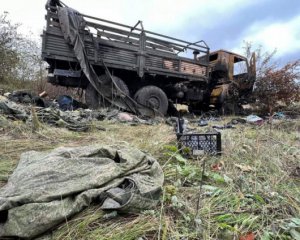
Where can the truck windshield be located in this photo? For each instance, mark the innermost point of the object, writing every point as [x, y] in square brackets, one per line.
[240, 66]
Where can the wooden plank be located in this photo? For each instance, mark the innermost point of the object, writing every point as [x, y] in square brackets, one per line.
[113, 62]
[159, 47]
[118, 45]
[167, 72]
[54, 54]
[55, 24]
[52, 15]
[55, 31]
[118, 37]
[174, 45]
[111, 29]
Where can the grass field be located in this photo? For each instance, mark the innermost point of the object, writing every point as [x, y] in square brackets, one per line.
[253, 189]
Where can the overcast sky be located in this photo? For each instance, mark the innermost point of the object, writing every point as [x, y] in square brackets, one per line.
[221, 23]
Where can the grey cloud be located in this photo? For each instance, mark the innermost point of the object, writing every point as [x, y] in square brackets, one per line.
[233, 25]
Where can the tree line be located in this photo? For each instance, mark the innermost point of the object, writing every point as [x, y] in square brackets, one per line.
[20, 57]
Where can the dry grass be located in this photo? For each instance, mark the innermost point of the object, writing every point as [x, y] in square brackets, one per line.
[90, 225]
[253, 190]
[17, 138]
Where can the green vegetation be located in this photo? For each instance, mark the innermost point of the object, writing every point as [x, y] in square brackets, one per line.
[251, 188]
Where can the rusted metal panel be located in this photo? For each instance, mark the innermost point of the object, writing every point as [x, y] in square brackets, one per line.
[171, 64]
[191, 68]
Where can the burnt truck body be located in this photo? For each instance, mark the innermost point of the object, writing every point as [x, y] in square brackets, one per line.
[143, 65]
[234, 77]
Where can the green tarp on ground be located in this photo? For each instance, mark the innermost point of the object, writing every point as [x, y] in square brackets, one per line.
[47, 188]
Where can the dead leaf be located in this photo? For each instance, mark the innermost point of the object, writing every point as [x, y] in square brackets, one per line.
[244, 168]
[248, 236]
[240, 195]
[218, 166]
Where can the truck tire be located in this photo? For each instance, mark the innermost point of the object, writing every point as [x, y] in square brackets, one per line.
[119, 82]
[154, 97]
[195, 108]
[94, 100]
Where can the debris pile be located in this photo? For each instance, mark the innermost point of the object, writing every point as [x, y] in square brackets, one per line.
[65, 112]
[12, 109]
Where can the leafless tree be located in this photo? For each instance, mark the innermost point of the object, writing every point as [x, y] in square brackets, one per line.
[20, 58]
[8, 48]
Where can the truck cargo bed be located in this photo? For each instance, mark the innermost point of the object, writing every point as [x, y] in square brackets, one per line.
[128, 48]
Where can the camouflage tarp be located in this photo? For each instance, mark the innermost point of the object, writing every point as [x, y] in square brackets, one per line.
[15, 110]
[47, 188]
[72, 24]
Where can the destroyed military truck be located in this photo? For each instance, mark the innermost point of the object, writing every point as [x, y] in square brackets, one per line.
[234, 78]
[128, 67]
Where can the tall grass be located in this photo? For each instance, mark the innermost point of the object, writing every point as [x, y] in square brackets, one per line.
[253, 190]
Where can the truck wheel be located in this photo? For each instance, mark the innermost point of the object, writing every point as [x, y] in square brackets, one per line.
[92, 97]
[154, 97]
[119, 82]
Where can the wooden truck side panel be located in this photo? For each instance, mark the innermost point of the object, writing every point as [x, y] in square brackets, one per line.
[122, 49]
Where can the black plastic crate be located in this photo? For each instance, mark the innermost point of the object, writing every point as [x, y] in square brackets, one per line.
[198, 143]
[201, 143]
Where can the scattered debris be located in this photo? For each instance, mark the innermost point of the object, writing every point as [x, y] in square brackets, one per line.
[296, 172]
[13, 110]
[236, 121]
[43, 94]
[21, 96]
[226, 126]
[126, 117]
[203, 123]
[254, 119]
[7, 94]
[211, 190]
[67, 103]
[63, 114]
[279, 115]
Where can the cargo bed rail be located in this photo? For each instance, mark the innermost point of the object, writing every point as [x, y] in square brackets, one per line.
[139, 49]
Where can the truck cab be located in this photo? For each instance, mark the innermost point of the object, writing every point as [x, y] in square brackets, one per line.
[233, 77]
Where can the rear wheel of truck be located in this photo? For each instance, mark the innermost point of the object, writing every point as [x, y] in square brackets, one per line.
[153, 97]
[230, 108]
[92, 97]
